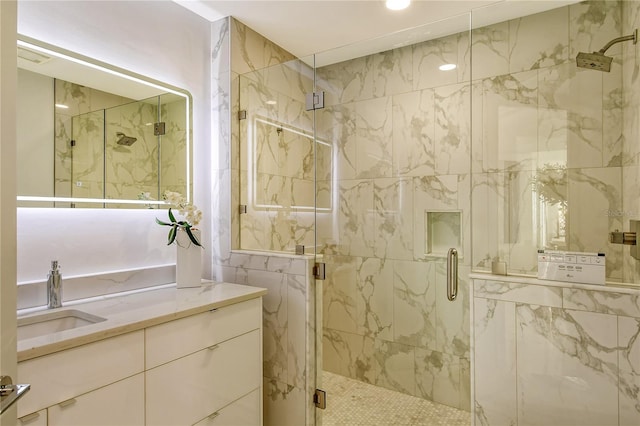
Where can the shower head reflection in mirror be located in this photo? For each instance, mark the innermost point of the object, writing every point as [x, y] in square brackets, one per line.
[76, 78]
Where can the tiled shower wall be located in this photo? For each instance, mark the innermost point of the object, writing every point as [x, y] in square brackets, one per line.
[289, 307]
[537, 144]
[401, 135]
[548, 142]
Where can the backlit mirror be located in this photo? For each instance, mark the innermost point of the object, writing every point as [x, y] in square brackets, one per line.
[92, 135]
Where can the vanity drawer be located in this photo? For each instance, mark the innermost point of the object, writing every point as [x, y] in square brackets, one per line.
[120, 403]
[175, 339]
[184, 391]
[243, 412]
[64, 375]
[34, 419]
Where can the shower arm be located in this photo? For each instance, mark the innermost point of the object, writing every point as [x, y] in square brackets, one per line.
[633, 37]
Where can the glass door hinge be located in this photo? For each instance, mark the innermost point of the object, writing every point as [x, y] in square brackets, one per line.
[319, 271]
[320, 399]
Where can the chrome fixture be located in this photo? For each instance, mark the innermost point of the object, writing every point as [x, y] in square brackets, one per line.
[54, 286]
[598, 60]
[452, 274]
[628, 238]
[124, 139]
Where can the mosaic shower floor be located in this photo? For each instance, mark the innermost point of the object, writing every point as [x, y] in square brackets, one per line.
[353, 403]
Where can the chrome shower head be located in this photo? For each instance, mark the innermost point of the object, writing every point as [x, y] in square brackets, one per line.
[124, 139]
[594, 61]
[598, 60]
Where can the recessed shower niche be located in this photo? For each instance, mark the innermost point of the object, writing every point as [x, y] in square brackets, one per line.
[443, 231]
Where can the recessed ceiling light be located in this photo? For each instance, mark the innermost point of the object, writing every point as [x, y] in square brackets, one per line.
[62, 106]
[397, 4]
[447, 67]
[271, 102]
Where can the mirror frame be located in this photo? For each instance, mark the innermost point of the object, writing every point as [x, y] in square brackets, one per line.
[49, 49]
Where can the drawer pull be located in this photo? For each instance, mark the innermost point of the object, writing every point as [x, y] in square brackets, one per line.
[211, 348]
[214, 310]
[29, 418]
[67, 403]
[214, 415]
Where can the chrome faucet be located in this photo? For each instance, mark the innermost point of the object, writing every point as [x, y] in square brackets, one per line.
[54, 286]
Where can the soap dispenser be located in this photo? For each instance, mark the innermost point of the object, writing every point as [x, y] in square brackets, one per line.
[54, 286]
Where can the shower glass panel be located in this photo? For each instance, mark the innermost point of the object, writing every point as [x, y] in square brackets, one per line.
[278, 154]
[86, 168]
[397, 117]
[555, 144]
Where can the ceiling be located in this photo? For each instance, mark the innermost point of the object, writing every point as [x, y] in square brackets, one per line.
[360, 27]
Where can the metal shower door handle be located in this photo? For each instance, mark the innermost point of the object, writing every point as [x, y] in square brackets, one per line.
[452, 274]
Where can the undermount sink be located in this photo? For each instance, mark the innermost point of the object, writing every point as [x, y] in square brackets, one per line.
[54, 321]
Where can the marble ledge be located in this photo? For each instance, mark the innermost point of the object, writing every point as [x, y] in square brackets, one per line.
[630, 289]
[131, 312]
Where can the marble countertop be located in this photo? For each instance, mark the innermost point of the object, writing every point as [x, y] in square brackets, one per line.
[131, 312]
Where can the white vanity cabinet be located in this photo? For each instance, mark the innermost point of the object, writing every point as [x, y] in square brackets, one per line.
[76, 373]
[203, 369]
[207, 362]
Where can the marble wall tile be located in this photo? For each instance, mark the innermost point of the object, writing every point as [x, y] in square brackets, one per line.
[285, 405]
[373, 138]
[374, 278]
[340, 294]
[452, 129]
[428, 56]
[338, 125]
[452, 317]
[393, 72]
[350, 355]
[414, 303]
[393, 198]
[396, 366]
[275, 323]
[601, 301]
[437, 377]
[414, 133]
[495, 362]
[465, 385]
[589, 227]
[488, 197]
[347, 81]
[519, 293]
[630, 209]
[570, 116]
[510, 122]
[523, 238]
[356, 218]
[629, 364]
[592, 24]
[563, 356]
[613, 105]
[630, 85]
[297, 328]
[490, 50]
[538, 41]
[251, 51]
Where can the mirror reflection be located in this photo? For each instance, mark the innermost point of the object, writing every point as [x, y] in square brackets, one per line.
[93, 136]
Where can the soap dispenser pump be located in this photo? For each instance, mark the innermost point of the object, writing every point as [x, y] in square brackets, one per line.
[54, 286]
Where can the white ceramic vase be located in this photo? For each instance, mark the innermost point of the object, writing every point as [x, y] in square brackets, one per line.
[188, 260]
